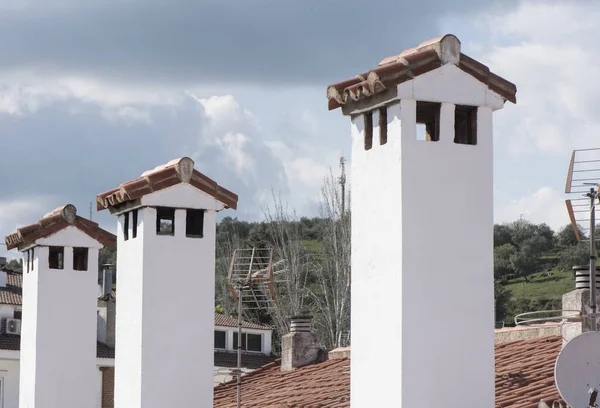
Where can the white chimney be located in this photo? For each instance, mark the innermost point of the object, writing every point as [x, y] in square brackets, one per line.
[422, 226]
[3, 279]
[60, 254]
[166, 250]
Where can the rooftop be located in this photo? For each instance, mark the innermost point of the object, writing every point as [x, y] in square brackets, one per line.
[55, 221]
[174, 172]
[524, 376]
[410, 63]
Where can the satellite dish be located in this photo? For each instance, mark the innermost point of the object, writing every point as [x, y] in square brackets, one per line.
[577, 369]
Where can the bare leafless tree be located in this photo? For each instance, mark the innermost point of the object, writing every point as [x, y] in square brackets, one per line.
[332, 301]
[293, 294]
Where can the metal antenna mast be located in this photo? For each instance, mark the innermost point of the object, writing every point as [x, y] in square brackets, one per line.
[584, 172]
[342, 181]
[252, 280]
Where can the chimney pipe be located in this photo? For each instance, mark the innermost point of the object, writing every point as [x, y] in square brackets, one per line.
[300, 346]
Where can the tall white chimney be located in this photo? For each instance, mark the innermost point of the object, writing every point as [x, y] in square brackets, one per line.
[60, 255]
[166, 253]
[422, 226]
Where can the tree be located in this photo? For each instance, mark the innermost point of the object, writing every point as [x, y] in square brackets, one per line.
[502, 260]
[332, 300]
[574, 255]
[502, 235]
[566, 236]
[502, 298]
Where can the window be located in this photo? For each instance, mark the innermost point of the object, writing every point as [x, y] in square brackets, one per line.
[28, 260]
[250, 342]
[126, 226]
[383, 125]
[254, 342]
[428, 121]
[80, 259]
[368, 130]
[18, 315]
[465, 124]
[220, 339]
[56, 257]
[194, 223]
[165, 221]
[134, 221]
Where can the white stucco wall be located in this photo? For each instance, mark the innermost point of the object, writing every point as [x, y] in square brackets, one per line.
[58, 336]
[422, 230]
[165, 354]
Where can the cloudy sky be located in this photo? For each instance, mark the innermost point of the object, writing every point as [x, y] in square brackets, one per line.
[94, 93]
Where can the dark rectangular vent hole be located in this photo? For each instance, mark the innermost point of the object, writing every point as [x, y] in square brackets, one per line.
[368, 130]
[165, 221]
[56, 256]
[383, 125]
[465, 124]
[428, 121]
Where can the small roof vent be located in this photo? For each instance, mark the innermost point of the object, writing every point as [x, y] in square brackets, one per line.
[301, 324]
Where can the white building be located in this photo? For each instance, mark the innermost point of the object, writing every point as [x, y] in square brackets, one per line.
[59, 365]
[166, 245]
[422, 226]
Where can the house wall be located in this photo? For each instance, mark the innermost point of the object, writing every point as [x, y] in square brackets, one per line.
[179, 270]
[422, 230]
[73, 352]
[7, 311]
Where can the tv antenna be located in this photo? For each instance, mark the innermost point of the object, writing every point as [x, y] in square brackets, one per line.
[252, 279]
[583, 181]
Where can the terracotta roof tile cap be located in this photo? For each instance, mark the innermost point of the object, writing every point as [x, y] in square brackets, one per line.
[183, 165]
[446, 46]
[68, 212]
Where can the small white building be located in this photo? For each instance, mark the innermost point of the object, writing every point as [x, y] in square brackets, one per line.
[166, 250]
[58, 362]
[422, 226]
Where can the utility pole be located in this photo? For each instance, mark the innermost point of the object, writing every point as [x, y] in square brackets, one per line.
[90, 210]
[342, 181]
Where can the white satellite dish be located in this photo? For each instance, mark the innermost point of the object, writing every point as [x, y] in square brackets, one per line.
[577, 369]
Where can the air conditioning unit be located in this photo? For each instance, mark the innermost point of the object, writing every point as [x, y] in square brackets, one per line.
[13, 326]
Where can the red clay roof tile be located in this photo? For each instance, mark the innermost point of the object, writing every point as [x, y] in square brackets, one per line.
[524, 376]
[164, 176]
[55, 221]
[413, 62]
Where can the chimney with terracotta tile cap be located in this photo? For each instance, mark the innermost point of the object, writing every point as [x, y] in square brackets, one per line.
[166, 231]
[422, 161]
[60, 254]
[300, 346]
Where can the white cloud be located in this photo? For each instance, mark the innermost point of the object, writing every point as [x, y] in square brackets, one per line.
[549, 50]
[27, 93]
[544, 205]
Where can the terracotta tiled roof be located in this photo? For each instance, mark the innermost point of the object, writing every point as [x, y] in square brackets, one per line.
[324, 385]
[174, 172]
[55, 221]
[411, 63]
[525, 372]
[524, 376]
[231, 321]
[249, 360]
[11, 294]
